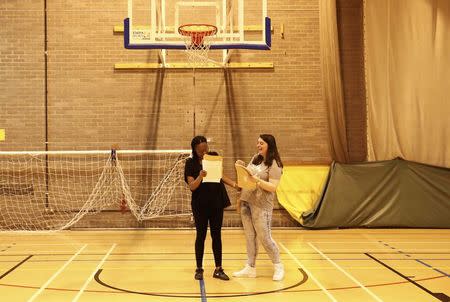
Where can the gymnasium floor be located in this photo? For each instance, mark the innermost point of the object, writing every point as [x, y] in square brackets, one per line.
[158, 265]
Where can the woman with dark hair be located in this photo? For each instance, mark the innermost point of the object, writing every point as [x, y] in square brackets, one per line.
[208, 203]
[256, 206]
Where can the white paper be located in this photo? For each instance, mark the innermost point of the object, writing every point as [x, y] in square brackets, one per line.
[213, 165]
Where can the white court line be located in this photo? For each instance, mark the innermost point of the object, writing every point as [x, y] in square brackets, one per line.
[308, 272]
[55, 275]
[93, 274]
[347, 274]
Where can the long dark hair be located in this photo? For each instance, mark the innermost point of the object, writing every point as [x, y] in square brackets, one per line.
[197, 141]
[272, 152]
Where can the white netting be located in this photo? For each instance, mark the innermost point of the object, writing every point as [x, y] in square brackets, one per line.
[197, 38]
[54, 190]
[198, 54]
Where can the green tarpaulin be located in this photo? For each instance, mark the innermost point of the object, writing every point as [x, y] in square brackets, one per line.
[395, 193]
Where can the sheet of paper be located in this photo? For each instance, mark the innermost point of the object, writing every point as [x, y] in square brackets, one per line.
[213, 165]
[244, 177]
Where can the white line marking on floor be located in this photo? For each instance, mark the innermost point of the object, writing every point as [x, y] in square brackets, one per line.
[347, 274]
[93, 274]
[308, 272]
[43, 287]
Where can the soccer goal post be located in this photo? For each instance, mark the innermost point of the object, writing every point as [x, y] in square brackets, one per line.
[53, 190]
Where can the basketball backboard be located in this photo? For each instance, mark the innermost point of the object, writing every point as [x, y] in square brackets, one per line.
[241, 24]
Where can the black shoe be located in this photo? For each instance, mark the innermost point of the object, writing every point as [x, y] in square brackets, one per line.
[220, 274]
[199, 274]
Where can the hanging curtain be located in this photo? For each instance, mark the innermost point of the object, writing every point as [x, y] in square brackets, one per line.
[332, 82]
[407, 49]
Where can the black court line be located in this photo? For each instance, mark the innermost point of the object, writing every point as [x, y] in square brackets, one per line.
[234, 259]
[287, 291]
[417, 260]
[440, 296]
[163, 253]
[295, 232]
[228, 259]
[8, 247]
[433, 268]
[16, 266]
[97, 278]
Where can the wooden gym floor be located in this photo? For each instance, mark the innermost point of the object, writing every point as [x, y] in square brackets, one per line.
[158, 265]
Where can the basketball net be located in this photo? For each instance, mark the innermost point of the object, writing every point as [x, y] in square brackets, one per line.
[197, 38]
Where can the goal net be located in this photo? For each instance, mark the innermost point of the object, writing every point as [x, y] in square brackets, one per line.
[53, 190]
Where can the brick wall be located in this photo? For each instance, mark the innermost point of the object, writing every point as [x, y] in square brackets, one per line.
[92, 106]
[351, 43]
[22, 74]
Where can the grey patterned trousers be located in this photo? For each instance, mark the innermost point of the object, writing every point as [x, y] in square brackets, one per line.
[256, 222]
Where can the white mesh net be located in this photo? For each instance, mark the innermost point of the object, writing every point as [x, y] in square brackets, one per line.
[197, 38]
[54, 190]
[197, 54]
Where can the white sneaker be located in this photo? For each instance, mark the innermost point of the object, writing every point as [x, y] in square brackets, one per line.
[278, 274]
[247, 271]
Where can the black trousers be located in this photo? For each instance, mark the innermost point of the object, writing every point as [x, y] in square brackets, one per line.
[203, 215]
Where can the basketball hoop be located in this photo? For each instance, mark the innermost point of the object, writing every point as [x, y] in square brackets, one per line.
[197, 41]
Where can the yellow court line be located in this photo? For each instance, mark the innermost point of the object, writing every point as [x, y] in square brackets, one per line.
[376, 242]
[44, 244]
[385, 249]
